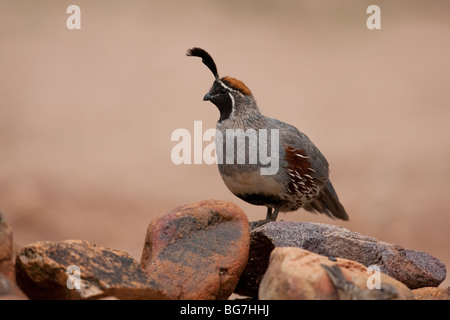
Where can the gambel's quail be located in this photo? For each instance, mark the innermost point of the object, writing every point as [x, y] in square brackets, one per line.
[301, 179]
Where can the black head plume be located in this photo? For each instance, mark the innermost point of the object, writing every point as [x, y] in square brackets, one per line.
[206, 59]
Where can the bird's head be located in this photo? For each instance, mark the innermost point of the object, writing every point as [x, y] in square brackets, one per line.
[227, 92]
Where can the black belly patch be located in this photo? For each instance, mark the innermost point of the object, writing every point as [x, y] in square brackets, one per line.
[260, 199]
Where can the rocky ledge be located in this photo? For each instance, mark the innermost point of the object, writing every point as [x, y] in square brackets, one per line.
[206, 251]
[413, 268]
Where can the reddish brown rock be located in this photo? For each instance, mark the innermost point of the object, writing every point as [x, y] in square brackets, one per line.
[6, 249]
[197, 251]
[431, 293]
[6, 240]
[42, 272]
[9, 290]
[297, 274]
[413, 268]
[7, 269]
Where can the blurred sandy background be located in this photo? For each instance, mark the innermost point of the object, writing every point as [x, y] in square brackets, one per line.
[86, 116]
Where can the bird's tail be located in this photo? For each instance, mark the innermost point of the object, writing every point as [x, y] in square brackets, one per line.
[327, 203]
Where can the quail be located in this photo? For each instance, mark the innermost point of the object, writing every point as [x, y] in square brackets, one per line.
[347, 290]
[302, 178]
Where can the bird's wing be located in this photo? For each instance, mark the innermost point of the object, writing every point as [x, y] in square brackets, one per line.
[294, 139]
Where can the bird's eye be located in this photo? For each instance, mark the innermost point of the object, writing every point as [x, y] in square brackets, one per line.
[223, 91]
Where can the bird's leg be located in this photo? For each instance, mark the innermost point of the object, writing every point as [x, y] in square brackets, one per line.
[274, 215]
[271, 216]
[269, 213]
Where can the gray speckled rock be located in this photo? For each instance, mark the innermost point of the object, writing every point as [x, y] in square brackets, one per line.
[415, 269]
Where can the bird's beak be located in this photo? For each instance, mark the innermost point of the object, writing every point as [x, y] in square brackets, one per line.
[207, 97]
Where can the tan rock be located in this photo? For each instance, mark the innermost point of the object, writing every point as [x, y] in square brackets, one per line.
[297, 274]
[431, 293]
[197, 251]
[43, 270]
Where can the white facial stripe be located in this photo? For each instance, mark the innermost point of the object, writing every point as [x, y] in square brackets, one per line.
[232, 99]
[226, 87]
[232, 104]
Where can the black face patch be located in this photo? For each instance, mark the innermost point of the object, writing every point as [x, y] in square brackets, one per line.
[220, 96]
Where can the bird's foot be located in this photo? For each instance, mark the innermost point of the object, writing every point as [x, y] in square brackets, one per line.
[259, 223]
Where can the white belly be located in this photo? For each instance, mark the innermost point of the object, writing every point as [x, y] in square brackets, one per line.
[252, 183]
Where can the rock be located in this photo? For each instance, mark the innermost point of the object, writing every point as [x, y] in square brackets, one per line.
[6, 240]
[197, 251]
[431, 293]
[9, 290]
[6, 249]
[42, 272]
[298, 274]
[7, 269]
[413, 268]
